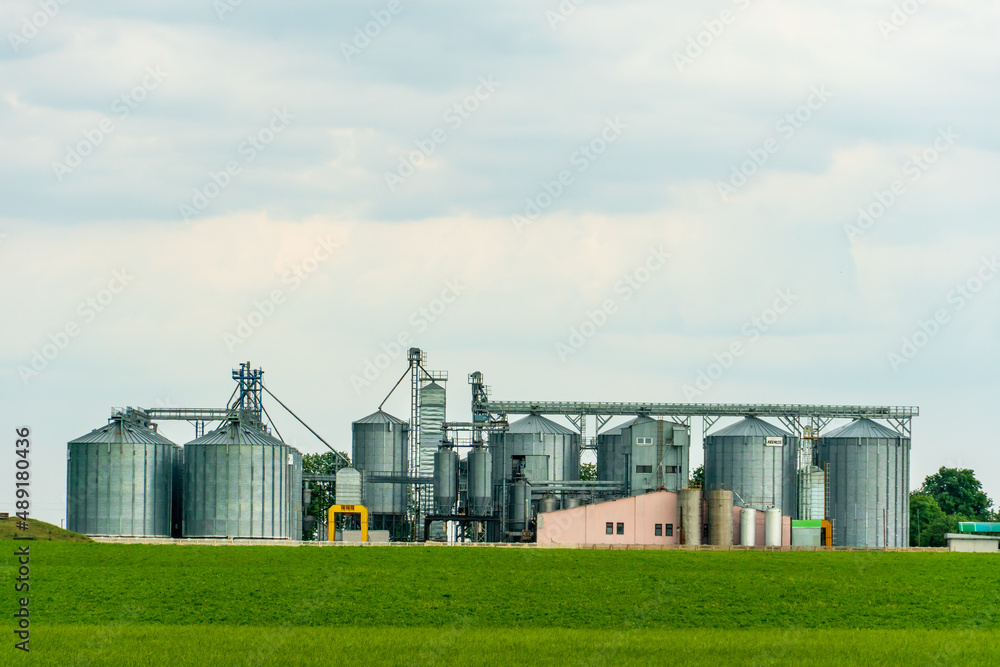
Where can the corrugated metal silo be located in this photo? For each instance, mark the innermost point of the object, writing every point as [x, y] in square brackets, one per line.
[869, 474]
[241, 482]
[348, 489]
[445, 480]
[480, 482]
[120, 481]
[380, 444]
[756, 460]
[544, 450]
[431, 408]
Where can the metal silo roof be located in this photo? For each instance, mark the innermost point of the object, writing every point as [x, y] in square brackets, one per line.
[237, 433]
[862, 428]
[753, 426]
[380, 417]
[538, 424]
[122, 432]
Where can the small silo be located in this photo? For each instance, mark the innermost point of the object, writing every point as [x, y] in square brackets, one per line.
[120, 481]
[757, 461]
[431, 407]
[869, 476]
[445, 480]
[538, 448]
[480, 467]
[348, 487]
[242, 482]
[379, 443]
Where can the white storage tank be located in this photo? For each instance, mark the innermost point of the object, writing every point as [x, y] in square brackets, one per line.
[772, 527]
[348, 487]
[748, 527]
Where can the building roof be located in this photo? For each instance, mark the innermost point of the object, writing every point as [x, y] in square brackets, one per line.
[122, 432]
[380, 417]
[862, 428]
[539, 424]
[752, 426]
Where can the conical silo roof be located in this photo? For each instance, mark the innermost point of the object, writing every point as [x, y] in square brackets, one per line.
[862, 428]
[752, 426]
[538, 424]
[121, 432]
[380, 417]
[235, 432]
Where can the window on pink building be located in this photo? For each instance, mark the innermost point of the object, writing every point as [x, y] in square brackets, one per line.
[621, 528]
[609, 527]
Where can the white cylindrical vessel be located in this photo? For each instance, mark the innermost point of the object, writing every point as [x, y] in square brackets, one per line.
[748, 527]
[772, 527]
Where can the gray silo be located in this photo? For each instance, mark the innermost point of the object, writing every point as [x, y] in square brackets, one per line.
[869, 468]
[445, 480]
[242, 482]
[120, 481]
[538, 448]
[646, 454]
[379, 443]
[431, 409]
[480, 467]
[756, 460]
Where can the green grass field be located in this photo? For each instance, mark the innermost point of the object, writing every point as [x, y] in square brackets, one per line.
[40, 531]
[139, 604]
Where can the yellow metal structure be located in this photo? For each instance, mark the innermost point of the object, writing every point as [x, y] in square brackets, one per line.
[346, 509]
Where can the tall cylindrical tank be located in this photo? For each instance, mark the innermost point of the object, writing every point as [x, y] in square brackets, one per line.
[379, 445]
[348, 489]
[757, 461]
[748, 527]
[431, 408]
[120, 481]
[720, 517]
[241, 482]
[869, 476]
[570, 501]
[540, 448]
[689, 501]
[612, 455]
[445, 480]
[772, 527]
[480, 482]
[520, 505]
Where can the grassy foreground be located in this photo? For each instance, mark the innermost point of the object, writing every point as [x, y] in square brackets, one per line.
[187, 645]
[228, 605]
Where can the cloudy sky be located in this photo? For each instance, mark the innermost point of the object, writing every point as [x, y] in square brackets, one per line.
[593, 201]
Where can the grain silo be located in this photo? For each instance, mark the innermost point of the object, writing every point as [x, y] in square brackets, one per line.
[757, 461]
[380, 444]
[431, 409]
[242, 482]
[869, 477]
[120, 480]
[480, 467]
[538, 448]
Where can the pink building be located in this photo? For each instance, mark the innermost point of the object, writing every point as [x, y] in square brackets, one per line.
[651, 518]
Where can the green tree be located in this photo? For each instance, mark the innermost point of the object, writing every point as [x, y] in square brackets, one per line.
[323, 493]
[698, 477]
[588, 472]
[924, 513]
[957, 491]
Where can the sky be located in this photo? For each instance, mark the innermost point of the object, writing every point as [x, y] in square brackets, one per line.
[750, 201]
